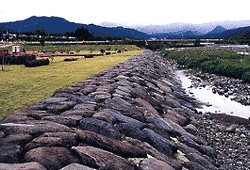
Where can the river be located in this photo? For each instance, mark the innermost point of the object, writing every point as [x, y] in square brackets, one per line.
[215, 103]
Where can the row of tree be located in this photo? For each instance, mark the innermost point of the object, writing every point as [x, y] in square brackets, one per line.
[80, 34]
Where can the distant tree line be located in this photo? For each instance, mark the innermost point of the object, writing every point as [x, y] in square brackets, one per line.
[241, 41]
[40, 35]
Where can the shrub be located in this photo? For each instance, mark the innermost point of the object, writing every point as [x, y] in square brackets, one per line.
[35, 63]
[102, 51]
[15, 59]
[197, 42]
[70, 59]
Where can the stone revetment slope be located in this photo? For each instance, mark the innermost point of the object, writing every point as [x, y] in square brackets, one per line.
[134, 115]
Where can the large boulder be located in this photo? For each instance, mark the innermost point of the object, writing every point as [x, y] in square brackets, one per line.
[70, 120]
[191, 129]
[33, 127]
[120, 118]
[175, 117]
[35, 114]
[105, 117]
[15, 118]
[160, 143]
[151, 163]
[161, 125]
[194, 166]
[69, 139]
[122, 93]
[142, 93]
[54, 100]
[97, 93]
[38, 106]
[131, 131]
[182, 131]
[60, 107]
[148, 109]
[121, 148]
[189, 142]
[53, 105]
[101, 159]
[151, 151]
[163, 86]
[51, 157]
[100, 96]
[201, 160]
[80, 112]
[22, 166]
[85, 106]
[100, 127]
[10, 153]
[124, 107]
[126, 89]
[88, 89]
[44, 142]
[185, 149]
[76, 166]
[18, 139]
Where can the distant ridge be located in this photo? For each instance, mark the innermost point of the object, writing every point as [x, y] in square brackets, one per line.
[60, 26]
[243, 32]
[215, 33]
[217, 30]
[202, 28]
[179, 34]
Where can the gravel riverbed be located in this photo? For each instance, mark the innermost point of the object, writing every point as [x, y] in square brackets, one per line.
[228, 135]
[230, 142]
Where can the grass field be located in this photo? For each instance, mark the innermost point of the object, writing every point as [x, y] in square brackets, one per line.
[82, 49]
[76, 48]
[22, 86]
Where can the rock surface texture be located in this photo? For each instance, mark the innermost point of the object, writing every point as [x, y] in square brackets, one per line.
[134, 115]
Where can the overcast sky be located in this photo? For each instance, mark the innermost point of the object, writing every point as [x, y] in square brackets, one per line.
[129, 12]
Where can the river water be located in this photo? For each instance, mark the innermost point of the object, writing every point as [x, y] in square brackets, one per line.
[219, 103]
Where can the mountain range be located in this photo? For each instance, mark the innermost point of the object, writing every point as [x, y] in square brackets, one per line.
[243, 32]
[190, 34]
[182, 30]
[59, 25]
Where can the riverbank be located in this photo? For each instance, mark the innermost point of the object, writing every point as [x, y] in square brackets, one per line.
[134, 115]
[227, 134]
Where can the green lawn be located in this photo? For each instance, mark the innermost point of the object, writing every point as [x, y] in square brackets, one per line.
[22, 86]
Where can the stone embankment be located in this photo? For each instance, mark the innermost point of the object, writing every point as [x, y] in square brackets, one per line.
[134, 115]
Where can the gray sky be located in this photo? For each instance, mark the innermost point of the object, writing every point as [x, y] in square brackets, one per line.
[128, 12]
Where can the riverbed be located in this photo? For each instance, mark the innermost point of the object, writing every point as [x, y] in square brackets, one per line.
[213, 103]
